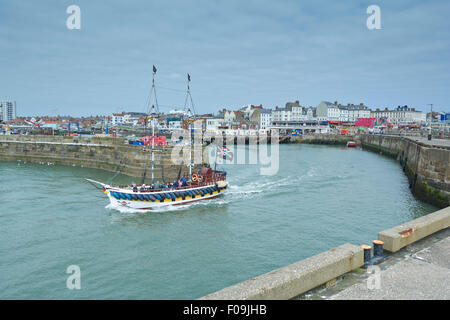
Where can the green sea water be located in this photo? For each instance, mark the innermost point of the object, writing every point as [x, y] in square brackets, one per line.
[321, 197]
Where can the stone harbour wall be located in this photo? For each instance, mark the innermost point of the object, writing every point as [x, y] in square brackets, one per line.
[110, 154]
[426, 165]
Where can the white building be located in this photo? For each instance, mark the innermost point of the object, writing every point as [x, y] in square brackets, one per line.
[229, 116]
[351, 112]
[292, 112]
[181, 113]
[310, 113]
[400, 115]
[298, 112]
[281, 114]
[336, 112]
[132, 118]
[265, 120]
[343, 114]
[117, 119]
[360, 111]
[7, 110]
[328, 111]
[212, 124]
[174, 123]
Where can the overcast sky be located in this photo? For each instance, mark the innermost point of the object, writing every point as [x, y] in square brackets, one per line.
[237, 52]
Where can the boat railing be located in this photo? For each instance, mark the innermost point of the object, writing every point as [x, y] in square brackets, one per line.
[146, 190]
[216, 176]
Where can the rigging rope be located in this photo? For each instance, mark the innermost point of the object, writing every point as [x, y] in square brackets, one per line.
[111, 179]
[95, 185]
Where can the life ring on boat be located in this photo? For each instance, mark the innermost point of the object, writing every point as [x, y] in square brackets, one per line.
[200, 178]
[195, 177]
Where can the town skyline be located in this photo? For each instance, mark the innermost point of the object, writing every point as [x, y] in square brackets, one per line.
[236, 53]
[168, 110]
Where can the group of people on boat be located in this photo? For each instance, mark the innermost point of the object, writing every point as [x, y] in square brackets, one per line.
[182, 182]
[201, 177]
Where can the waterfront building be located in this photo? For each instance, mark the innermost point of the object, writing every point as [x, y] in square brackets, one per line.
[298, 112]
[7, 110]
[328, 111]
[174, 122]
[402, 114]
[254, 118]
[293, 111]
[230, 116]
[310, 113]
[351, 112]
[305, 126]
[248, 110]
[52, 124]
[343, 113]
[213, 124]
[132, 118]
[265, 119]
[180, 112]
[358, 111]
[117, 119]
[200, 121]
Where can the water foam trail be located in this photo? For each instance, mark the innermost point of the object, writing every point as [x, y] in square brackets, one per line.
[236, 191]
[169, 208]
[259, 188]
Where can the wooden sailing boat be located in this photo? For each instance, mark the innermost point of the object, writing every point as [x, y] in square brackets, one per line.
[205, 184]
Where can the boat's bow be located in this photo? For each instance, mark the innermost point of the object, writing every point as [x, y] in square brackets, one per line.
[104, 185]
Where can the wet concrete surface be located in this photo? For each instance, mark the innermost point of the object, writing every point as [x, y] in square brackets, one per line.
[418, 271]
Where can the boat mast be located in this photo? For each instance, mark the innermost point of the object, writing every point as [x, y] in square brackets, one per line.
[153, 147]
[154, 114]
[190, 111]
[215, 165]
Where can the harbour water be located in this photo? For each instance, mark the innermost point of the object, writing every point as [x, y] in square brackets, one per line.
[322, 197]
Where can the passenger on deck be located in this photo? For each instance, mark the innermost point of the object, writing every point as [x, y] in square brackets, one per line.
[175, 185]
[183, 181]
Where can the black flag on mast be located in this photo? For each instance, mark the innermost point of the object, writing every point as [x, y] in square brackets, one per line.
[189, 77]
[154, 69]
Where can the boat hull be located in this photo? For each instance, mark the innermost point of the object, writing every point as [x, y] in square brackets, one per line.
[116, 197]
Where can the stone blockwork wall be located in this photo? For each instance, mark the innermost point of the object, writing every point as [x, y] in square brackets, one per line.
[329, 139]
[426, 166]
[111, 154]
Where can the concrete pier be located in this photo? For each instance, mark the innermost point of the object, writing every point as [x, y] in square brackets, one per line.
[420, 271]
[294, 281]
[329, 139]
[398, 237]
[290, 281]
[110, 154]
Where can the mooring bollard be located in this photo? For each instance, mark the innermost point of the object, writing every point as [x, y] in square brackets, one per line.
[378, 248]
[366, 253]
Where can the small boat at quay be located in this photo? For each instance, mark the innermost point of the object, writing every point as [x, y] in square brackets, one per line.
[206, 184]
[351, 144]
